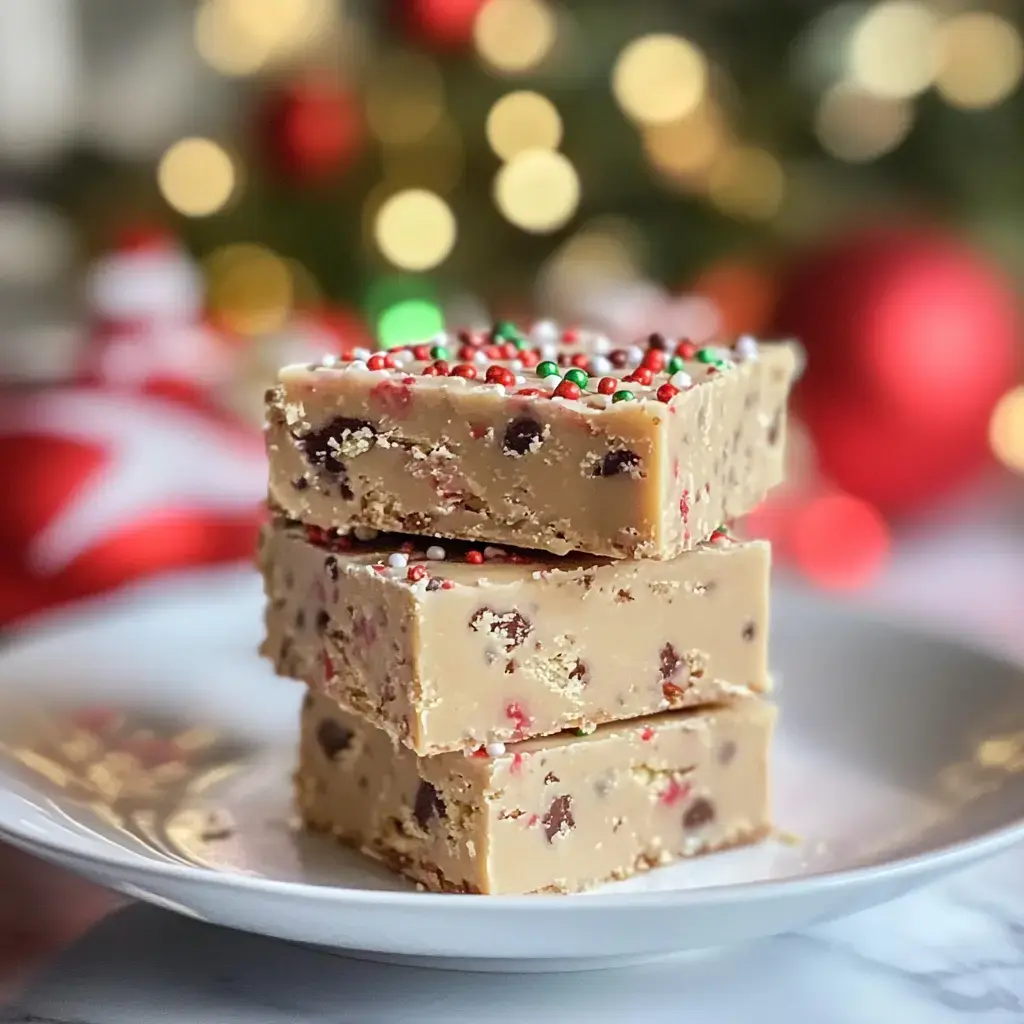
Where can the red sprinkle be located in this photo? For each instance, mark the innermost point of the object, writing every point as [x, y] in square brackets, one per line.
[328, 666]
[519, 717]
[421, 352]
[570, 336]
[567, 389]
[416, 573]
[686, 349]
[379, 567]
[467, 370]
[408, 380]
[466, 352]
[654, 359]
[447, 584]
[641, 375]
[480, 752]
[607, 386]
[532, 820]
[478, 431]
[647, 734]
[581, 360]
[381, 362]
[517, 764]
[528, 358]
[475, 557]
[500, 375]
[509, 351]
[684, 506]
[674, 792]
[493, 352]
[529, 391]
[667, 392]
[431, 371]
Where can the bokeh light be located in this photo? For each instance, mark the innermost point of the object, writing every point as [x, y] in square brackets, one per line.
[857, 126]
[608, 249]
[659, 78]
[893, 51]
[196, 177]
[435, 162]
[523, 120]
[681, 150]
[513, 36]
[408, 321]
[538, 190]
[839, 541]
[249, 288]
[981, 60]
[747, 182]
[1006, 430]
[415, 229]
[404, 97]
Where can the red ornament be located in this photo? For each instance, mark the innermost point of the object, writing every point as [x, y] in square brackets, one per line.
[911, 339]
[311, 131]
[114, 487]
[446, 24]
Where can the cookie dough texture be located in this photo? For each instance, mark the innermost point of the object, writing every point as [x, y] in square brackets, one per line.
[445, 456]
[558, 814]
[449, 655]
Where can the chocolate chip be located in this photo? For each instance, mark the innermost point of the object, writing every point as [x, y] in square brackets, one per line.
[427, 804]
[775, 428]
[617, 463]
[623, 596]
[333, 738]
[513, 627]
[749, 631]
[619, 358]
[323, 446]
[580, 671]
[700, 813]
[300, 483]
[331, 566]
[558, 818]
[269, 396]
[670, 662]
[522, 435]
[510, 667]
[550, 779]
[364, 782]
[657, 341]
[726, 752]
[300, 619]
[322, 621]
[433, 583]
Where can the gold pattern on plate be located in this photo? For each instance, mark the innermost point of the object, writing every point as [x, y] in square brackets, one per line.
[148, 778]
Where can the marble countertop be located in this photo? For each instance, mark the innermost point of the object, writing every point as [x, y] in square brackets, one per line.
[949, 953]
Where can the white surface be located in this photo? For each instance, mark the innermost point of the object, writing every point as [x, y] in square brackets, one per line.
[878, 771]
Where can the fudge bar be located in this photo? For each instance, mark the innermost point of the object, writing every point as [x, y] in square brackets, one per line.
[451, 648]
[635, 452]
[558, 814]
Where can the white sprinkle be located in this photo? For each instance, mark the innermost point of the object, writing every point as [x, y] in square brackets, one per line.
[329, 360]
[479, 356]
[441, 338]
[599, 401]
[398, 560]
[600, 365]
[634, 354]
[356, 364]
[548, 351]
[491, 553]
[746, 348]
[681, 380]
[361, 353]
[600, 344]
[402, 358]
[550, 383]
[496, 749]
[436, 553]
[515, 366]
[365, 533]
[544, 331]
[498, 389]
[520, 379]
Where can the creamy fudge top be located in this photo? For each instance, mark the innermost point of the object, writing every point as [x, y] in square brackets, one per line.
[426, 565]
[543, 364]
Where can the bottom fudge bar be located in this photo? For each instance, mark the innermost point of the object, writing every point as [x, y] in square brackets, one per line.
[556, 814]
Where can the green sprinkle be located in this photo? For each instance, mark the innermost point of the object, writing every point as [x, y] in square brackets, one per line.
[547, 369]
[707, 355]
[520, 343]
[675, 364]
[439, 352]
[505, 330]
[721, 364]
[623, 396]
[580, 732]
[577, 376]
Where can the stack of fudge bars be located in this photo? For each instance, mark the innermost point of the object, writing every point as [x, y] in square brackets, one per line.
[535, 658]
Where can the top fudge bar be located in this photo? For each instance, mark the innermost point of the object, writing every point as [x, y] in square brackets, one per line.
[562, 444]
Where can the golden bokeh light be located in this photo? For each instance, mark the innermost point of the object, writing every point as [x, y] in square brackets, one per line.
[605, 250]
[404, 98]
[523, 120]
[682, 150]
[415, 229]
[981, 60]
[435, 162]
[747, 182]
[250, 288]
[196, 177]
[857, 126]
[239, 37]
[538, 190]
[1006, 430]
[513, 36]
[659, 78]
[893, 51]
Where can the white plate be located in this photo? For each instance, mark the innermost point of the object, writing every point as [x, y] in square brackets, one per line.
[898, 760]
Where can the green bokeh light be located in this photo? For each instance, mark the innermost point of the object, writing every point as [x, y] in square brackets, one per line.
[409, 321]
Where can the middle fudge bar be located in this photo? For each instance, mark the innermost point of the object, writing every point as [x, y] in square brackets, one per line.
[637, 454]
[450, 648]
[557, 814]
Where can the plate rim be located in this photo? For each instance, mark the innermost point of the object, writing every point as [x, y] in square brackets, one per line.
[86, 614]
